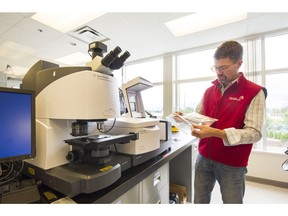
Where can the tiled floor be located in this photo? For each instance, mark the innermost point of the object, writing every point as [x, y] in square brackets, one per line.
[257, 193]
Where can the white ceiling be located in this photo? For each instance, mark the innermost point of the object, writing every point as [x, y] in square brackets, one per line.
[142, 34]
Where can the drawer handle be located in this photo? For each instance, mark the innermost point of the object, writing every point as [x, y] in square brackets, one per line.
[157, 178]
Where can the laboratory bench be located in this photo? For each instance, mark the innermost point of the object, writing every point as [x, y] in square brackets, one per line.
[147, 182]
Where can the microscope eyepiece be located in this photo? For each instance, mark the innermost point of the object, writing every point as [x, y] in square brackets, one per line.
[119, 62]
[124, 56]
[110, 57]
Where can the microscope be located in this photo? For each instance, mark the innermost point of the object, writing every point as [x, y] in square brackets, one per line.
[72, 103]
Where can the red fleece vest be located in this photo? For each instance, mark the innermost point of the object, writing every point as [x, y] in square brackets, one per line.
[229, 109]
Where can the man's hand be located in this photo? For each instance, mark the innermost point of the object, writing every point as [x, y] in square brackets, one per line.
[177, 116]
[204, 131]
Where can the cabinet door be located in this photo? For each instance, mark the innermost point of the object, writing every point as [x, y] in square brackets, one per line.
[153, 184]
[162, 197]
[130, 197]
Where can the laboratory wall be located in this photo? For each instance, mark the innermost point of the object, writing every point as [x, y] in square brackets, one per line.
[268, 166]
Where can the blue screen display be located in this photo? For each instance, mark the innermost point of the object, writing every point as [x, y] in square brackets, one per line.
[15, 124]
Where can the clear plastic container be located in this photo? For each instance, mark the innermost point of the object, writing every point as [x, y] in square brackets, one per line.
[184, 122]
[197, 118]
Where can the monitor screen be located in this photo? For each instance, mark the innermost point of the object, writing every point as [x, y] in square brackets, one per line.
[17, 124]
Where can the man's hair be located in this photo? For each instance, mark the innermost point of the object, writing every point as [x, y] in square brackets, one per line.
[229, 49]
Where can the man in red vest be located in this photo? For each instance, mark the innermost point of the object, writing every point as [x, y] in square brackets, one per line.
[225, 146]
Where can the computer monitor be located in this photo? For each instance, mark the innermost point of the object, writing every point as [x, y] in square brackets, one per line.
[17, 124]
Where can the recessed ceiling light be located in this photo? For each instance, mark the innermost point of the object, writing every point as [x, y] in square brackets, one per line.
[202, 21]
[65, 21]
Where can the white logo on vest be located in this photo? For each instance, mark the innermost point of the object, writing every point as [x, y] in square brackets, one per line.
[236, 99]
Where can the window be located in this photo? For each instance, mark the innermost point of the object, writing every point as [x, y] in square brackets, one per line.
[264, 63]
[153, 100]
[150, 70]
[276, 70]
[191, 94]
[277, 111]
[194, 76]
[195, 65]
[275, 52]
[153, 72]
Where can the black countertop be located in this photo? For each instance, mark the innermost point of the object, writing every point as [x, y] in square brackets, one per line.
[134, 175]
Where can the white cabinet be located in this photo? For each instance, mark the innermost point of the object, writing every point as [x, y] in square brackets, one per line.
[162, 197]
[130, 197]
[153, 189]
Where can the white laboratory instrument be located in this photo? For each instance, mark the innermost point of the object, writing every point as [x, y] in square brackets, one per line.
[133, 98]
[148, 134]
[74, 107]
[154, 135]
[74, 102]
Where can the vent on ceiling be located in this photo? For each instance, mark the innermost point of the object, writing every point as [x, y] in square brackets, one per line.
[88, 35]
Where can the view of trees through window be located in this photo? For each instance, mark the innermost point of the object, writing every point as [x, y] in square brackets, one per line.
[276, 113]
[276, 66]
[191, 94]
